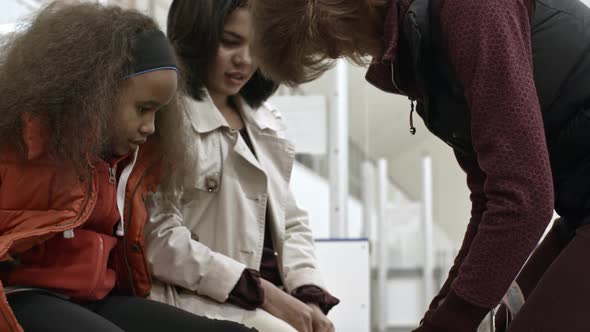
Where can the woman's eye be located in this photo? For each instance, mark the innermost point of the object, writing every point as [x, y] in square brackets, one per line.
[230, 42]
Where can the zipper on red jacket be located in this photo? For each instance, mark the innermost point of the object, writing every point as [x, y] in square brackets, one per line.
[88, 194]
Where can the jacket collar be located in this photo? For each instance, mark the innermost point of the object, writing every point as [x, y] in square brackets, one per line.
[264, 117]
[391, 30]
[206, 117]
[379, 73]
[35, 133]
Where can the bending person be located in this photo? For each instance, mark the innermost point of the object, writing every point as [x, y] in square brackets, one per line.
[505, 84]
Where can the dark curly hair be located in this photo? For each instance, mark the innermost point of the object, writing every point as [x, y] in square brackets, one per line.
[195, 28]
[66, 67]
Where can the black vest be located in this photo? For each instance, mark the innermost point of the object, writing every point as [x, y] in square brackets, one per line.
[561, 56]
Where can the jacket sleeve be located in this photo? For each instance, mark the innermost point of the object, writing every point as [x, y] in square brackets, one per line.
[475, 182]
[489, 45]
[299, 262]
[175, 258]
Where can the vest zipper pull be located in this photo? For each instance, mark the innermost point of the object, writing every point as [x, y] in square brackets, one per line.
[412, 128]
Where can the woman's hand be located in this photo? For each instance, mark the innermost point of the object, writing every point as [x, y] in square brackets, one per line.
[286, 307]
[319, 321]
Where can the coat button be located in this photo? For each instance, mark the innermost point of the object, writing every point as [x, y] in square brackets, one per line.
[212, 185]
[135, 247]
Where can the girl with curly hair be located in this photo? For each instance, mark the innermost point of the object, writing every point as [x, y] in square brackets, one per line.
[81, 88]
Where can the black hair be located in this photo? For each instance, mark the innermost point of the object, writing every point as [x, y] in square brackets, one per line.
[195, 28]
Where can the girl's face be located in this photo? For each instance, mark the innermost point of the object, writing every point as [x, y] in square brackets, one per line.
[138, 101]
[232, 65]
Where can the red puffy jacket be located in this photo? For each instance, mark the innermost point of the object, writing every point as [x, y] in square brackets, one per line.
[39, 199]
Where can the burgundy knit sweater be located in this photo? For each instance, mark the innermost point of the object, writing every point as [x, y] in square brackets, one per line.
[489, 45]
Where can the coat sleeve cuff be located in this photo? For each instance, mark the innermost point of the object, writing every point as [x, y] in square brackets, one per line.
[221, 279]
[454, 314]
[316, 295]
[303, 277]
[248, 293]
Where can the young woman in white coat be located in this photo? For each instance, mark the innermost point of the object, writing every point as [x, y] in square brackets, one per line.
[232, 244]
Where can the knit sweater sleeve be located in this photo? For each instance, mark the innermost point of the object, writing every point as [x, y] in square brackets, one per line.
[475, 181]
[489, 44]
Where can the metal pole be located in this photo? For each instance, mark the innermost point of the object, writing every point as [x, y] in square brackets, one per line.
[368, 195]
[338, 152]
[427, 226]
[382, 231]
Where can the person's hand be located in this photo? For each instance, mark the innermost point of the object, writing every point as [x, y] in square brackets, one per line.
[320, 322]
[287, 308]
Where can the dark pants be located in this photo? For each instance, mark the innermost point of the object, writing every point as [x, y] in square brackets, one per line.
[39, 312]
[556, 284]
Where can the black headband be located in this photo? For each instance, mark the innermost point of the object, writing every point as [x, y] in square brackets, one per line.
[151, 52]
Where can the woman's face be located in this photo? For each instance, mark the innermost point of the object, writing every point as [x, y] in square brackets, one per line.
[232, 65]
[138, 101]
